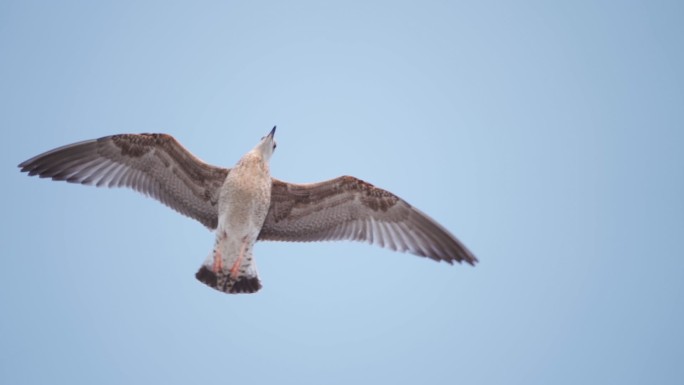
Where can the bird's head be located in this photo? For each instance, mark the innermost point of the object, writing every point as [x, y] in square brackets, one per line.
[267, 146]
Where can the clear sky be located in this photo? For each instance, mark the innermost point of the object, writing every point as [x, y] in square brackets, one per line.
[547, 136]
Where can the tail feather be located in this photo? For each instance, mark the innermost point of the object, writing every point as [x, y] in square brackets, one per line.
[223, 281]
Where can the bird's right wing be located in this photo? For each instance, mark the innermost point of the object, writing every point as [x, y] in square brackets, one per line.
[349, 208]
[153, 164]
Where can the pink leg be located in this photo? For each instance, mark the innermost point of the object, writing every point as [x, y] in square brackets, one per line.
[218, 262]
[238, 261]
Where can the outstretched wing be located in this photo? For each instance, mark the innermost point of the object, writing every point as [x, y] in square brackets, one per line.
[153, 164]
[349, 208]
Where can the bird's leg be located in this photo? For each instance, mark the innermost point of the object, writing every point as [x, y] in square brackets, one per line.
[218, 259]
[236, 266]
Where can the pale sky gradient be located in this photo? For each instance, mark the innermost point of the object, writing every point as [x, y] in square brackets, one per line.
[547, 136]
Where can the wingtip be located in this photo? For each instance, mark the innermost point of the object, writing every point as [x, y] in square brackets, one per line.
[468, 258]
[23, 166]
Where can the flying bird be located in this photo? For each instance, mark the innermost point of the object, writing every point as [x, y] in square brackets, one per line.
[244, 204]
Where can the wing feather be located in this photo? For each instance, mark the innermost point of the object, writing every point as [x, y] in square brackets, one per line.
[153, 164]
[351, 209]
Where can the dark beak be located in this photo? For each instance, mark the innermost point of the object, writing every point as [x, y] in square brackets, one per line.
[270, 134]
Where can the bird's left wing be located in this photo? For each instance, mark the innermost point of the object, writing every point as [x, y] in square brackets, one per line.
[153, 164]
[349, 208]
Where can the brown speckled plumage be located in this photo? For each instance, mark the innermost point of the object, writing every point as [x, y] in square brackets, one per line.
[246, 204]
[153, 164]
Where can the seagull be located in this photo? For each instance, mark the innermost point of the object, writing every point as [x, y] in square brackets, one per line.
[244, 204]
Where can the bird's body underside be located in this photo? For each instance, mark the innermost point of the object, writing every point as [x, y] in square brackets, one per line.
[245, 204]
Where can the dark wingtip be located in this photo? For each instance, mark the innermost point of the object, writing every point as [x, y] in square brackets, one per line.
[467, 258]
[25, 166]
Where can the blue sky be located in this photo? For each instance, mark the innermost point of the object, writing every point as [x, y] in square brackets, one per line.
[547, 136]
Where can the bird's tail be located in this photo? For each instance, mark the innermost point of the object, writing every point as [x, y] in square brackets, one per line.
[225, 282]
[229, 272]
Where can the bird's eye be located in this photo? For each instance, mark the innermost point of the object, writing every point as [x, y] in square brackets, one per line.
[274, 145]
